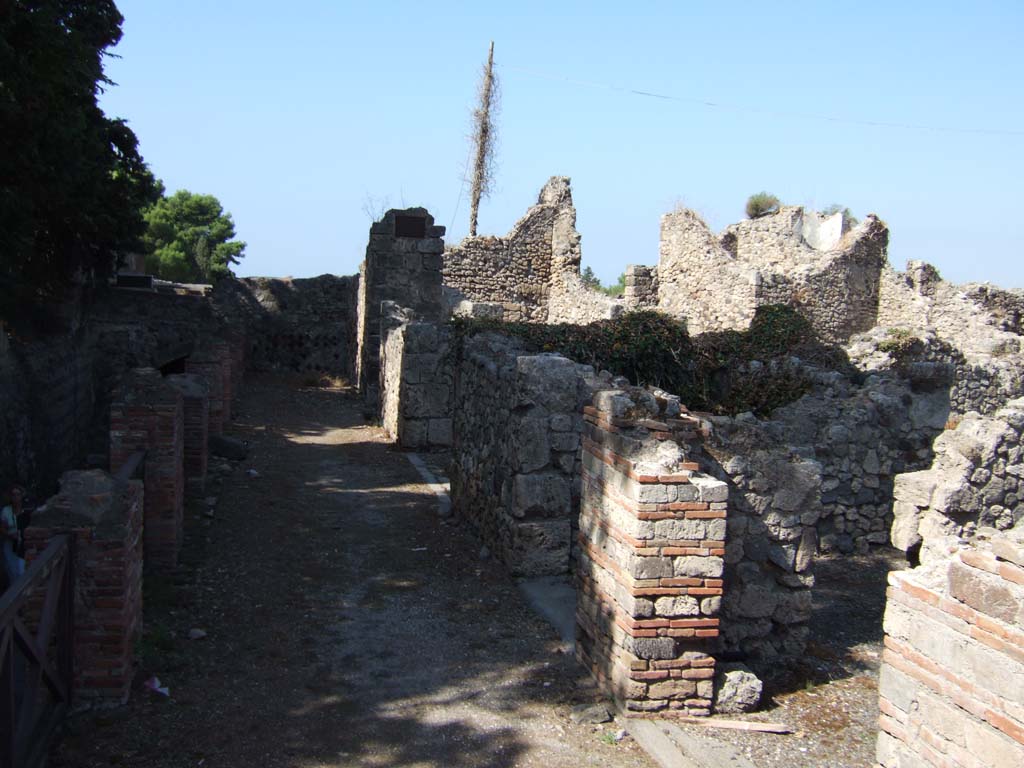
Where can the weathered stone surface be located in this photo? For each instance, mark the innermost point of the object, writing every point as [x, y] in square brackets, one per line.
[737, 689]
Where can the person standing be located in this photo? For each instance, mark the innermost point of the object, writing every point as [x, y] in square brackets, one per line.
[14, 566]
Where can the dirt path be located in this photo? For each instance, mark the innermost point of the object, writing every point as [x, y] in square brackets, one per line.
[346, 624]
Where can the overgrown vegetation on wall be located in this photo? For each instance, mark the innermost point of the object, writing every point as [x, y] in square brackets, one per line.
[723, 372]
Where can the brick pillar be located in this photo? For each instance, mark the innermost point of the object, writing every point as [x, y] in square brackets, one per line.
[196, 400]
[652, 541]
[104, 515]
[236, 341]
[146, 413]
[212, 362]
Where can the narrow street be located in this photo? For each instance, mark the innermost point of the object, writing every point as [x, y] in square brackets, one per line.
[346, 623]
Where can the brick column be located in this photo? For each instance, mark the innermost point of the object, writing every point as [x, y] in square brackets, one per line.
[196, 400]
[652, 541]
[104, 516]
[146, 413]
[212, 362]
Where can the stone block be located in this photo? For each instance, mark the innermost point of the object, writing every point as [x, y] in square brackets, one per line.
[542, 494]
[439, 432]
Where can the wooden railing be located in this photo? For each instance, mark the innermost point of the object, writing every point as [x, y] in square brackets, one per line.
[36, 667]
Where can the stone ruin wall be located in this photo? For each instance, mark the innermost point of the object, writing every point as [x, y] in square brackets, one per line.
[417, 364]
[515, 463]
[794, 257]
[295, 324]
[533, 272]
[400, 274]
[974, 329]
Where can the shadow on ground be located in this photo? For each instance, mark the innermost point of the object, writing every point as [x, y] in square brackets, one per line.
[346, 625]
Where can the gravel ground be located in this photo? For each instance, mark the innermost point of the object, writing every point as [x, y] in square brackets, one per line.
[345, 624]
[831, 698]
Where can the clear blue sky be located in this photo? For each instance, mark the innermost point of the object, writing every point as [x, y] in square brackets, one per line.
[300, 116]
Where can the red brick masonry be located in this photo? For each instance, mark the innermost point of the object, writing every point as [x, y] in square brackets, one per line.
[650, 567]
[105, 517]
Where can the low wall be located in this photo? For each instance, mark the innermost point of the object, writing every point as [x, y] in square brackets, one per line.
[951, 685]
[515, 473]
[417, 365]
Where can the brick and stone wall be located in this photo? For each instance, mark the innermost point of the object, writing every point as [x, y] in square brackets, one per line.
[402, 267]
[652, 547]
[147, 414]
[533, 272]
[418, 385]
[104, 517]
[196, 414]
[951, 687]
[211, 362]
[793, 257]
[514, 472]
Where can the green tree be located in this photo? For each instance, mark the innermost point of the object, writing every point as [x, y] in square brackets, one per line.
[72, 181]
[590, 279]
[618, 288]
[189, 238]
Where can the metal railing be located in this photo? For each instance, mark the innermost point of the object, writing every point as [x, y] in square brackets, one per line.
[36, 665]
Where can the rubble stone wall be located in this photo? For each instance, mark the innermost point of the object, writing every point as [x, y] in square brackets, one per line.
[652, 542]
[951, 686]
[975, 482]
[793, 257]
[533, 272]
[295, 324]
[774, 509]
[417, 364]
[514, 472]
[974, 329]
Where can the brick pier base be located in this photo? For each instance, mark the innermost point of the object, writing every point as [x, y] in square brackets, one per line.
[104, 516]
[652, 539]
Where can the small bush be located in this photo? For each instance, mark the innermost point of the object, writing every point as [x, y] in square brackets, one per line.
[762, 204]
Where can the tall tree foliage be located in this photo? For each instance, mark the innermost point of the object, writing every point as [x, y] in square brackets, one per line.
[189, 238]
[72, 182]
[484, 140]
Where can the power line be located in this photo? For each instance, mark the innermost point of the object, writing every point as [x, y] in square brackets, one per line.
[769, 112]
